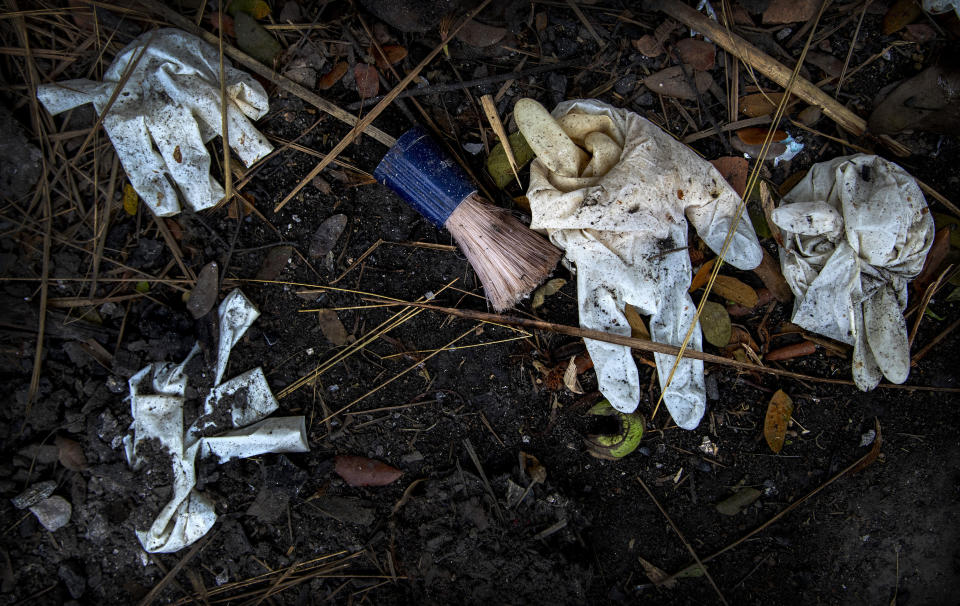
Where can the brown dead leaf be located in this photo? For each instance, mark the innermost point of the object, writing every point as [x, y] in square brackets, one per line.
[332, 328]
[790, 11]
[671, 82]
[540, 21]
[759, 104]
[570, 377]
[830, 65]
[394, 52]
[715, 323]
[755, 135]
[648, 46]
[361, 471]
[902, 13]
[702, 276]
[657, 576]
[480, 35]
[778, 416]
[548, 289]
[333, 76]
[699, 54]
[769, 272]
[71, 454]
[789, 352]
[204, 293]
[874, 453]
[367, 79]
[734, 169]
[788, 184]
[638, 330]
[326, 236]
[919, 32]
[274, 263]
[734, 290]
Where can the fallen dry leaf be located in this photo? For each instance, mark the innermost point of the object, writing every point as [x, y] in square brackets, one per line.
[734, 169]
[830, 65]
[648, 45]
[755, 135]
[638, 330]
[394, 52]
[794, 350]
[326, 236]
[900, 14]
[570, 377]
[657, 576]
[715, 323]
[734, 290]
[790, 11]
[204, 293]
[759, 104]
[702, 276]
[361, 471]
[672, 82]
[778, 416]
[480, 35]
[769, 272]
[71, 454]
[735, 503]
[699, 54]
[788, 184]
[274, 263]
[530, 465]
[332, 328]
[367, 79]
[548, 289]
[333, 76]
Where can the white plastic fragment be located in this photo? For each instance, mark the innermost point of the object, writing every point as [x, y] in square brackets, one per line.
[625, 230]
[234, 424]
[170, 106]
[856, 229]
[941, 6]
[794, 147]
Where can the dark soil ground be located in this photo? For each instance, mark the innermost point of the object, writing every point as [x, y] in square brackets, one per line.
[453, 528]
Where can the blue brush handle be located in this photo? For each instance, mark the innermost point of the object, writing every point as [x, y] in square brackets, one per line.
[424, 176]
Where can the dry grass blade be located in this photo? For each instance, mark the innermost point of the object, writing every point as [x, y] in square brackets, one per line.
[378, 108]
[490, 110]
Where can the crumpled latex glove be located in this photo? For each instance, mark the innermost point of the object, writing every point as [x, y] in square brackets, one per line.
[625, 231]
[171, 100]
[856, 229]
[234, 424]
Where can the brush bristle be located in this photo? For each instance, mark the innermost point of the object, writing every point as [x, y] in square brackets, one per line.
[510, 259]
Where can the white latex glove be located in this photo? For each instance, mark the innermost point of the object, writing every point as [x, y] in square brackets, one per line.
[856, 229]
[171, 100]
[621, 231]
[234, 424]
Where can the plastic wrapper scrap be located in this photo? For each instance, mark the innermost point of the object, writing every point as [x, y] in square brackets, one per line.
[856, 229]
[169, 107]
[234, 424]
[622, 221]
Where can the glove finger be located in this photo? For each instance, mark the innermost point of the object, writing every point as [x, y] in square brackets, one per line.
[60, 97]
[244, 138]
[601, 309]
[178, 139]
[686, 396]
[247, 93]
[143, 165]
[865, 370]
[887, 335]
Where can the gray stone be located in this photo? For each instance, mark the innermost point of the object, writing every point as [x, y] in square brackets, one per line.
[53, 513]
[76, 582]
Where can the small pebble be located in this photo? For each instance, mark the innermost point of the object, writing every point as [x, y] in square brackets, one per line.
[53, 513]
[34, 494]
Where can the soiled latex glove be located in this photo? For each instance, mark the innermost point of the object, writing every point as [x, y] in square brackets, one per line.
[171, 100]
[856, 229]
[625, 231]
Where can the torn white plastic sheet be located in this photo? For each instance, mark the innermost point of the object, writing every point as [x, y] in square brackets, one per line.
[171, 100]
[856, 229]
[625, 230]
[233, 425]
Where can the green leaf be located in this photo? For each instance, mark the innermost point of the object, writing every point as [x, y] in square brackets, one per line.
[143, 287]
[254, 40]
[499, 167]
[258, 9]
[929, 313]
[759, 222]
